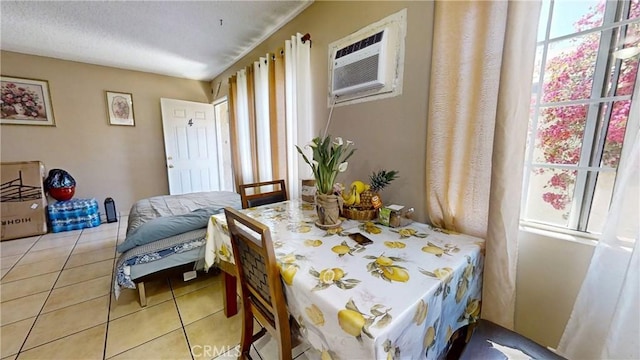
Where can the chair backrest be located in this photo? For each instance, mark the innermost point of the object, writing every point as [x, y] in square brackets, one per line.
[262, 193]
[259, 276]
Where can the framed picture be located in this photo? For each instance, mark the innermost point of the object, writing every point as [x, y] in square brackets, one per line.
[25, 102]
[120, 108]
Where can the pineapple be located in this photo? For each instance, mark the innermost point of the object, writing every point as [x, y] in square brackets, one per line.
[379, 181]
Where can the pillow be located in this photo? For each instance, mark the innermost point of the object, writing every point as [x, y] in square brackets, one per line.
[167, 226]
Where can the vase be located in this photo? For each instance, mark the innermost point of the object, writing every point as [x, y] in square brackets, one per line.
[328, 209]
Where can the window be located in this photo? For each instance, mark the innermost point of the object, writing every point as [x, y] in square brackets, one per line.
[580, 104]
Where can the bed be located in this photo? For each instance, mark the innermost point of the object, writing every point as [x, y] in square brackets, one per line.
[166, 234]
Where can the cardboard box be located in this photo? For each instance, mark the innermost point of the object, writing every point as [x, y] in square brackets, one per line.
[22, 204]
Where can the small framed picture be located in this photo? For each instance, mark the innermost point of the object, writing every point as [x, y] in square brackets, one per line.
[120, 108]
[25, 102]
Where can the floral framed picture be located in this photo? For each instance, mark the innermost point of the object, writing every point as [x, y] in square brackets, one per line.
[120, 108]
[25, 102]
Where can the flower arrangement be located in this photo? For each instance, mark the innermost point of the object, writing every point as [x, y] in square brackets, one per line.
[329, 158]
[19, 101]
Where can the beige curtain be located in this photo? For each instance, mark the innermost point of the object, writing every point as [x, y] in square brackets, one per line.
[482, 61]
[258, 118]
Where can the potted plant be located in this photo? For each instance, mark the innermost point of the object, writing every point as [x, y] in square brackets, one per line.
[329, 158]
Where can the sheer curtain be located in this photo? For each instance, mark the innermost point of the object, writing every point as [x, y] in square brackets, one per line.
[263, 124]
[299, 118]
[605, 321]
[270, 113]
[476, 131]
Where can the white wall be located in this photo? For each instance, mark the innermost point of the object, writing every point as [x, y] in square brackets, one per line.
[550, 273]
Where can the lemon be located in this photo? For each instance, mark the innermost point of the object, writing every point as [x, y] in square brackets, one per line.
[351, 322]
[224, 251]
[384, 261]
[433, 250]
[327, 276]
[473, 308]
[338, 273]
[315, 314]
[325, 355]
[335, 231]
[340, 249]
[288, 259]
[313, 243]
[395, 274]
[395, 244]
[429, 337]
[443, 273]
[304, 229]
[288, 273]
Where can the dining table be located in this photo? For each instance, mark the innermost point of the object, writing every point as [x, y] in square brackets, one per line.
[402, 296]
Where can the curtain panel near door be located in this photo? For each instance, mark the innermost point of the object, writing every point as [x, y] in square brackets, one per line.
[476, 132]
[269, 113]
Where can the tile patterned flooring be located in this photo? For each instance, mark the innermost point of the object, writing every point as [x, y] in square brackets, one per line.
[57, 303]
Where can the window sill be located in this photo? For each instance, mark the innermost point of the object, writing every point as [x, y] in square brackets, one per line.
[560, 234]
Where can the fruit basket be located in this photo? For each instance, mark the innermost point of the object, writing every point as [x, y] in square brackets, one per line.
[359, 214]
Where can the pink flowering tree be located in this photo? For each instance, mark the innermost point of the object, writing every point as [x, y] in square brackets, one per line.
[569, 76]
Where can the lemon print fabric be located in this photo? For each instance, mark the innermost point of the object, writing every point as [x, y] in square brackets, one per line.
[315, 315]
[333, 276]
[370, 228]
[313, 243]
[335, 231]
[409, 232]
[386, 268]
[421, 312]
[356, 323]
[344, 249]
[438, 250]
[224, 252]
[471, 311]
[395, 244]
[288, 267]
[392, 351]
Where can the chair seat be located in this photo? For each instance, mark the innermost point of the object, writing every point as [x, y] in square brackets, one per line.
[491, 341]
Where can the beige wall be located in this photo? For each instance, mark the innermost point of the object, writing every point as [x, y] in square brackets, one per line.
[125, 163]
[550, 273]
[389, 134]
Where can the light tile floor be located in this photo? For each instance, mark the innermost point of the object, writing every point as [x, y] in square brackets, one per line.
[57, 302]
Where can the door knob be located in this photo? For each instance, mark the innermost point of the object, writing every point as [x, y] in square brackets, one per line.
[170, 166]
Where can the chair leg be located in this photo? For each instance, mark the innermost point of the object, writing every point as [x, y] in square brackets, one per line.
[142, 293]
[246, 338]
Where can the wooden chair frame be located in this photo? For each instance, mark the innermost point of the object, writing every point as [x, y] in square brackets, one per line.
[258, 198]
[271, 313]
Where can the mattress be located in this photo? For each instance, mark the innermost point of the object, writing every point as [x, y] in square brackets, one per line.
[171, 251]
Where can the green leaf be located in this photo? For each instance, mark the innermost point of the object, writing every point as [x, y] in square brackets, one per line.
[384, 321]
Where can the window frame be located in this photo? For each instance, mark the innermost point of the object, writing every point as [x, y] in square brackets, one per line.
[593, 140]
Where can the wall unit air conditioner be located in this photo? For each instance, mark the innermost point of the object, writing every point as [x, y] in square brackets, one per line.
[361, 65]
[368, 64]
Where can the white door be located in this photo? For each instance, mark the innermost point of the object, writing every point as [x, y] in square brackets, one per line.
[191, 144]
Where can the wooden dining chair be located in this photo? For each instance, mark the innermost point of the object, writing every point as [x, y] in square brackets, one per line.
[254, 194]
[260, 285]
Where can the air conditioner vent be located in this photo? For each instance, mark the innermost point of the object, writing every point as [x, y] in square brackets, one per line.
[362, 75]
[373, 39]
[368, 64]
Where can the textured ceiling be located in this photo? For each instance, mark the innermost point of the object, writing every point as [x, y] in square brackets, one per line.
[178, 38]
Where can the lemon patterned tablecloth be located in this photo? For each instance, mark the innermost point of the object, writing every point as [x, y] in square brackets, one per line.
[399, 298]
